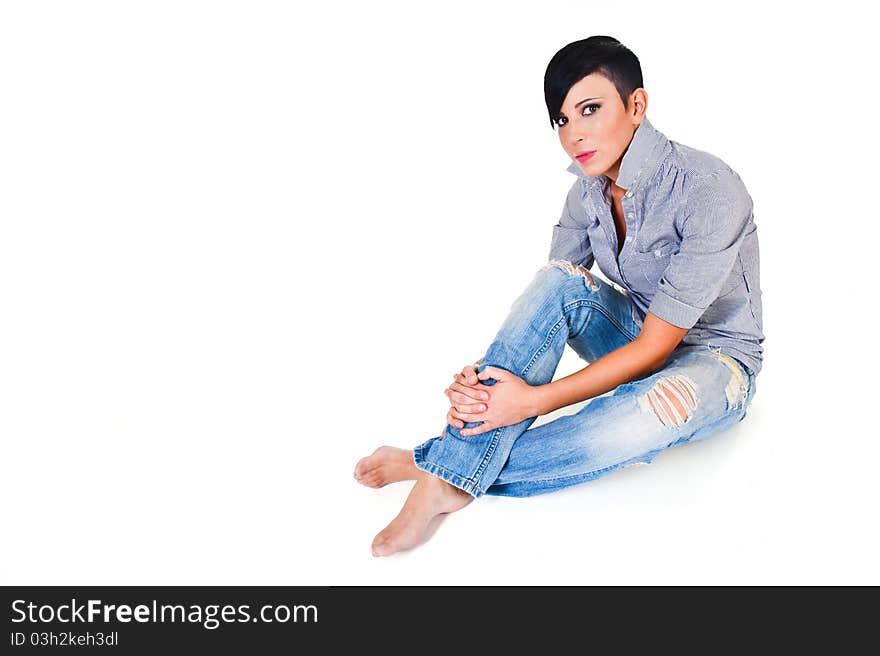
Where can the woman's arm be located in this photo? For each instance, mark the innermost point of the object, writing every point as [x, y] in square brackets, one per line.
[647, 352]
[512, 399]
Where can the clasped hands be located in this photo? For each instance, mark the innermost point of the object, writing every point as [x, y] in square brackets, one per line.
[507, 402]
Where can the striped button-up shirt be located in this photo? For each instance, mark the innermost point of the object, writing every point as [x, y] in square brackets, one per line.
[690, 255]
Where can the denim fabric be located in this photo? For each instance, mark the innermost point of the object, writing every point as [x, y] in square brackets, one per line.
[691, 250]
[620, 428]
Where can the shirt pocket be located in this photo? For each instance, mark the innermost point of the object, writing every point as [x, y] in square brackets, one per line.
[647, 263]
[659, 248]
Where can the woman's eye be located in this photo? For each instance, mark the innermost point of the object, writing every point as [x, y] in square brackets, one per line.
[562, 120]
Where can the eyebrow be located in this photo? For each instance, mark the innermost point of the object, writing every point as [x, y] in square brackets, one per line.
[585, 100]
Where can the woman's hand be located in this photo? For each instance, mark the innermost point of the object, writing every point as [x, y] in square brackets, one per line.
[465, 400]
[510, 400]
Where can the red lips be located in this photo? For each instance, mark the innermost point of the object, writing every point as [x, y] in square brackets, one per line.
[584, 156]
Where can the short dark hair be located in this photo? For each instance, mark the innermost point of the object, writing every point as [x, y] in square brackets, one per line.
[597, 54]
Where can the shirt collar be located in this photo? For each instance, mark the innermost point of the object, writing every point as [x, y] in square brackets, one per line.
[641, 159]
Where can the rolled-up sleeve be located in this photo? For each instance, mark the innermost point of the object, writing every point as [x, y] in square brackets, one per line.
[718, 213]
[570, 240]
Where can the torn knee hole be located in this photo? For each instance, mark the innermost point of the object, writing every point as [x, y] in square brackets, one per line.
[672, 400]
[571, 269]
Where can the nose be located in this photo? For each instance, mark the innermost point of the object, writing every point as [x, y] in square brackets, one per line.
[576, 138]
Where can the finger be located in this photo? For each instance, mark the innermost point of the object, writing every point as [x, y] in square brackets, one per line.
[477, 430]
[452, 421]
[466, 376]
[470, 409]
[456, 396]
[471, 392]
[494, 372]
[467, 396]
[466, 416]
[459, 399]
[469, 374]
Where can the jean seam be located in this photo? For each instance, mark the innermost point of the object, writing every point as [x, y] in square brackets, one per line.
[592, 471]
[601, 308]
[469, 483]
[466, 484]
[488, 455]
[549, 339]
[558, 324]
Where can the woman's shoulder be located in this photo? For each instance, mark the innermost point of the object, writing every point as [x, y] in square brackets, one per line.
[701, 169]
[691, 181]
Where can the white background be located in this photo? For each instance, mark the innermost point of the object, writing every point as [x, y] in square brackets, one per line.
[245, 243]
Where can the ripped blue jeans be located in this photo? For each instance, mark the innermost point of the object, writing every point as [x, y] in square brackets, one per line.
[696, 393]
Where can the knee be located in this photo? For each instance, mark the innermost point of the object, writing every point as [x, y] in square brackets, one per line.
[672, 399]
[571, 269]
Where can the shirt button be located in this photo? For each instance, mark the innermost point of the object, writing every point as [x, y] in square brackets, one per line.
[628, 194]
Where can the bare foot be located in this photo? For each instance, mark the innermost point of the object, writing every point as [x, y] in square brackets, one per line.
[430, 496]
[388, 464]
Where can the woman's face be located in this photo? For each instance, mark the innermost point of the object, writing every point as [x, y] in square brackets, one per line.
[593, 118]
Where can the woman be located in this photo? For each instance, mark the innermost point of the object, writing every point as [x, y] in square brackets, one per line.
[677, 337]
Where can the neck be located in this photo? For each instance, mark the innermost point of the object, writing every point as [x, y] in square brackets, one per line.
[613, 172]
[616, 192]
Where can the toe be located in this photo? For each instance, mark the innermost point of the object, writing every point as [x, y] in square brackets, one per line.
[369, 480]
[362, 467]
[380, 545]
